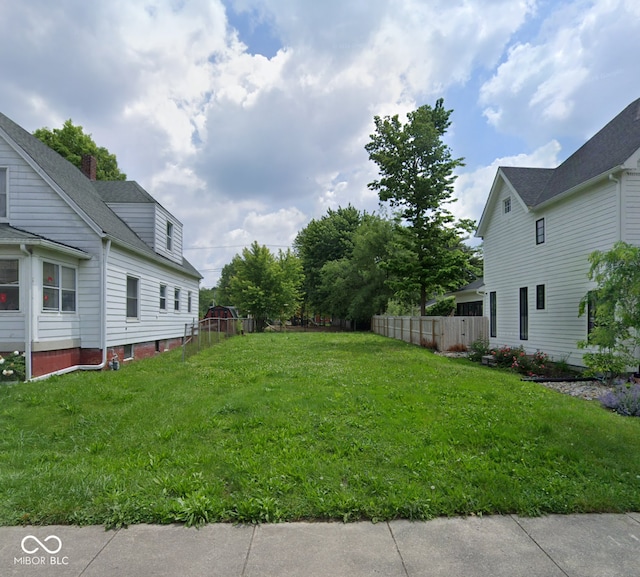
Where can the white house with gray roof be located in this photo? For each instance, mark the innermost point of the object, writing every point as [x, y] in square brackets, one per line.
[540, 225]
[89, 270]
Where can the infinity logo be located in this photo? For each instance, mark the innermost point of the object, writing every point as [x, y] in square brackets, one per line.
[50, 551]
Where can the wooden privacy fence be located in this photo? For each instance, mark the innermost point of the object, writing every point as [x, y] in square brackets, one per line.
[443, 332]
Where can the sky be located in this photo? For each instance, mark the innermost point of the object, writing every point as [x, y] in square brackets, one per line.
[248, 118]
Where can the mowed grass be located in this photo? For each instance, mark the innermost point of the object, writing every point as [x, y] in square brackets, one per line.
[296, 426]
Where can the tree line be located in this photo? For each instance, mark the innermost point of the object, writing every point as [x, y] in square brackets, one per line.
[348, 264]
[352, 265]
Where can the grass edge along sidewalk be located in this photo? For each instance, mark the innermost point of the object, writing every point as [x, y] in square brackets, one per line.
[293, 426]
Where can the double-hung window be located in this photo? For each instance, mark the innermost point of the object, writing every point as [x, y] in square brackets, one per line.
[176, 300]
[506, 203]
[4, 195]
[169, 236]
[9, 285]
[58, 288]
[163, 297]
[132, 297]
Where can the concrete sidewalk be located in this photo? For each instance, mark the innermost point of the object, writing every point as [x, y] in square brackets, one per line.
[510, 546]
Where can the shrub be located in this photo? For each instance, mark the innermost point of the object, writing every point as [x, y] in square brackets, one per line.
[624, 399]
[12, 367]
[478, 349]
[443, 308]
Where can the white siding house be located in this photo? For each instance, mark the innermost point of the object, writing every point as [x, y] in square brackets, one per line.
[82, 263]
[539, 227]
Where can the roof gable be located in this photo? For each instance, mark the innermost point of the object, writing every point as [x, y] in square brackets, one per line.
[82, 194]
[609, 149]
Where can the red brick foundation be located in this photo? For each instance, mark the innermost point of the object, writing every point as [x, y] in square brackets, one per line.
[47, 362]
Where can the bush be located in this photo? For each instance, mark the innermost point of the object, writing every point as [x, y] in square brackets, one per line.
[443, 308]
[478, 349]
[12, 367]
[624, 399]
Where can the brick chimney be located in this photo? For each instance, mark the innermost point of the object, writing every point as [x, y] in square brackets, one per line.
[89, 166]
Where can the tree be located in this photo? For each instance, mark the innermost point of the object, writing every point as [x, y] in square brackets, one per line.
[416, 178]
[264, 285]
[72, 143]
[207, 296]
[328, 239]
[614, 308]
[355, 287]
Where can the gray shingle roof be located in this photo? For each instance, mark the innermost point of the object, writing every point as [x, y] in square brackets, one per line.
[84, 194]
[12, 235]
[125, 191]
[606, 150]
[528, 182]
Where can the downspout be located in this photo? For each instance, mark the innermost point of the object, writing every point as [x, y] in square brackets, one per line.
[619, 203]
[27, 316]
[103, 318]
[106, 249]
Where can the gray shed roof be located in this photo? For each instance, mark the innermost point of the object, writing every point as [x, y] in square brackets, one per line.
[606, 150]
[84, 194]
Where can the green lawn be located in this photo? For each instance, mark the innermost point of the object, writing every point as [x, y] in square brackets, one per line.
[306, 426]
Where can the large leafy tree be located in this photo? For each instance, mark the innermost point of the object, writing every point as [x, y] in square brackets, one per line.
[264, 285]
[615, 308]
[324, 240]
[356, 287]
[72, 143]
[416, 178]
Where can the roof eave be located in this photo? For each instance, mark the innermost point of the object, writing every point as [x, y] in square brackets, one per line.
[578, 187]
[49, 245]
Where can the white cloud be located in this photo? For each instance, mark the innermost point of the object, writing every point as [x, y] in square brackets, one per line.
[572, 78]
[244, 147]
[472, 188]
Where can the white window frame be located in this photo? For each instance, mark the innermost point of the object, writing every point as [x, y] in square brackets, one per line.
[163, 297]
[506, 204]
[189, 299]
[170, 229]
[59, 290]
[137, 297]
[10, 286]
[4, 192]
[176, 300]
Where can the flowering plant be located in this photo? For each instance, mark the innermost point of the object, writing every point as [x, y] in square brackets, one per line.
[12, 367]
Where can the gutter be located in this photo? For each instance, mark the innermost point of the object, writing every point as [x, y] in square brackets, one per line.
[576, 188]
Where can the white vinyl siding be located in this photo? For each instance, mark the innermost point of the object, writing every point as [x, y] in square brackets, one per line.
[36, 208]
[630, 215]
[153, 324]
[140, 217]
[172, 249]
[574, 227]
